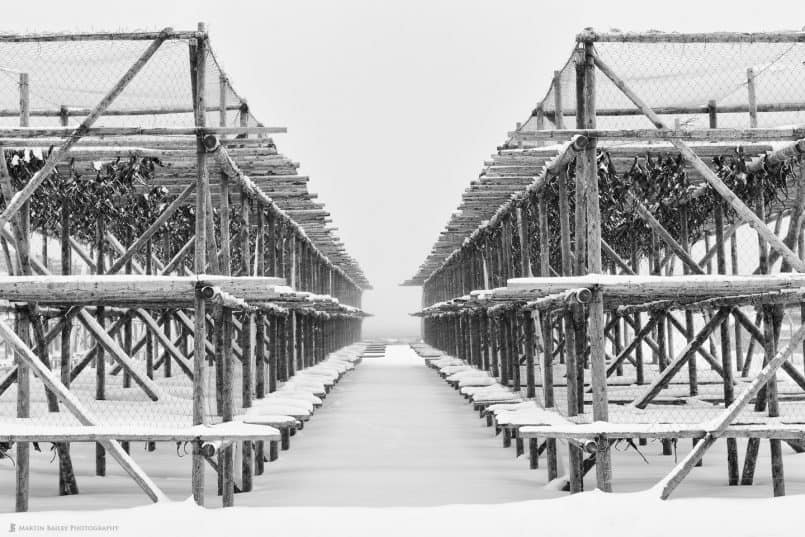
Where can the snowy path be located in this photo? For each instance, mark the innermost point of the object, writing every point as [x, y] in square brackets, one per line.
[393, 433]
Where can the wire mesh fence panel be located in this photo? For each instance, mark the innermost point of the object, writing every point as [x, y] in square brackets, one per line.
[66, 79]
[686, 77]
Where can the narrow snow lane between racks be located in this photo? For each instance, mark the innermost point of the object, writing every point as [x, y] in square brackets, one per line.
[392, 433]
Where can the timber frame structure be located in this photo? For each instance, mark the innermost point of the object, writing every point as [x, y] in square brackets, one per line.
[292, 297]
[524, 284]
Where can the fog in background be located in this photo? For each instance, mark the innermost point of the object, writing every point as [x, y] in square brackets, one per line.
[392, 107]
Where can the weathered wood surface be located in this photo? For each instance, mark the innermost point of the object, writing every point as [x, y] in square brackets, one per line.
[664, 133]
[698, 37]
[77, 409]
[655, 287]
[134, 289]
[97, 433]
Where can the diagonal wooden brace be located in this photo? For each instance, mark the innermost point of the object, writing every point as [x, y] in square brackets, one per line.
[111, 346]
[673, 368]
[19, 199]
[76, 408]
[720, 424]
[743, 212]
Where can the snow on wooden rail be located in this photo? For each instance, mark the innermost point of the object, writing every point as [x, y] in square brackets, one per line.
[14, 432]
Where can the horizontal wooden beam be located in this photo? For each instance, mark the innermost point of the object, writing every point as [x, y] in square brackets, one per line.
[699, 37]
[65, 132]
[74, 111]
[658, 287]
[685, 110]
[717, 135]
[50, 37]
[131, 433]
[132, 289]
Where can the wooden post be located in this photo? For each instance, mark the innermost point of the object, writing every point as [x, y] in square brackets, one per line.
[260, 356]
[684, 243]
[547, 333]
[67, 482]
[23, 464]
[167, 368]
[127, 340]
[246, 332]
[750, 89]
[227, 459]
[529, 343]
[558, 118]
[525, 243]
[100, 359]
[603, 463]
[198, 62]
[149, 340]
[638, 318]
[127, 334]
[726, 355]
[574, 391]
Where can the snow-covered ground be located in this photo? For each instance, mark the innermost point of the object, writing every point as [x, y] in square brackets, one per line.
[395, 451]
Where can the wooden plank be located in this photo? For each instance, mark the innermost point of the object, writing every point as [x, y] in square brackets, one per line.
[571, 431]
[100, 433]
[666, 133]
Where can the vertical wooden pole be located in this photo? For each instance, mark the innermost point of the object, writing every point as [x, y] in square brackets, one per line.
[770, 349]
[529, 343]
[198, 60]
[22, 467]
[726, 354]
[246, 333]
[689, 326]
[514, 328]
[225, 330]
[270, 245]
[127, 335]
[100, 359]
[227, 459]
[580, 217]
[574, 391]
[291, 338]
[603, 463]
[23, 371]
[525, 243]
[559, 117]
[547, 333]
[149, 342]
[638, 317]
[67, 482]
[750, 89]
[753, 444]
[127, 330]
[739, 357]
[167, 365]
[693, 377]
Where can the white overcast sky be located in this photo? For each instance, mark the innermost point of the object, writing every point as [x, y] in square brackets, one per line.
[392, 107]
